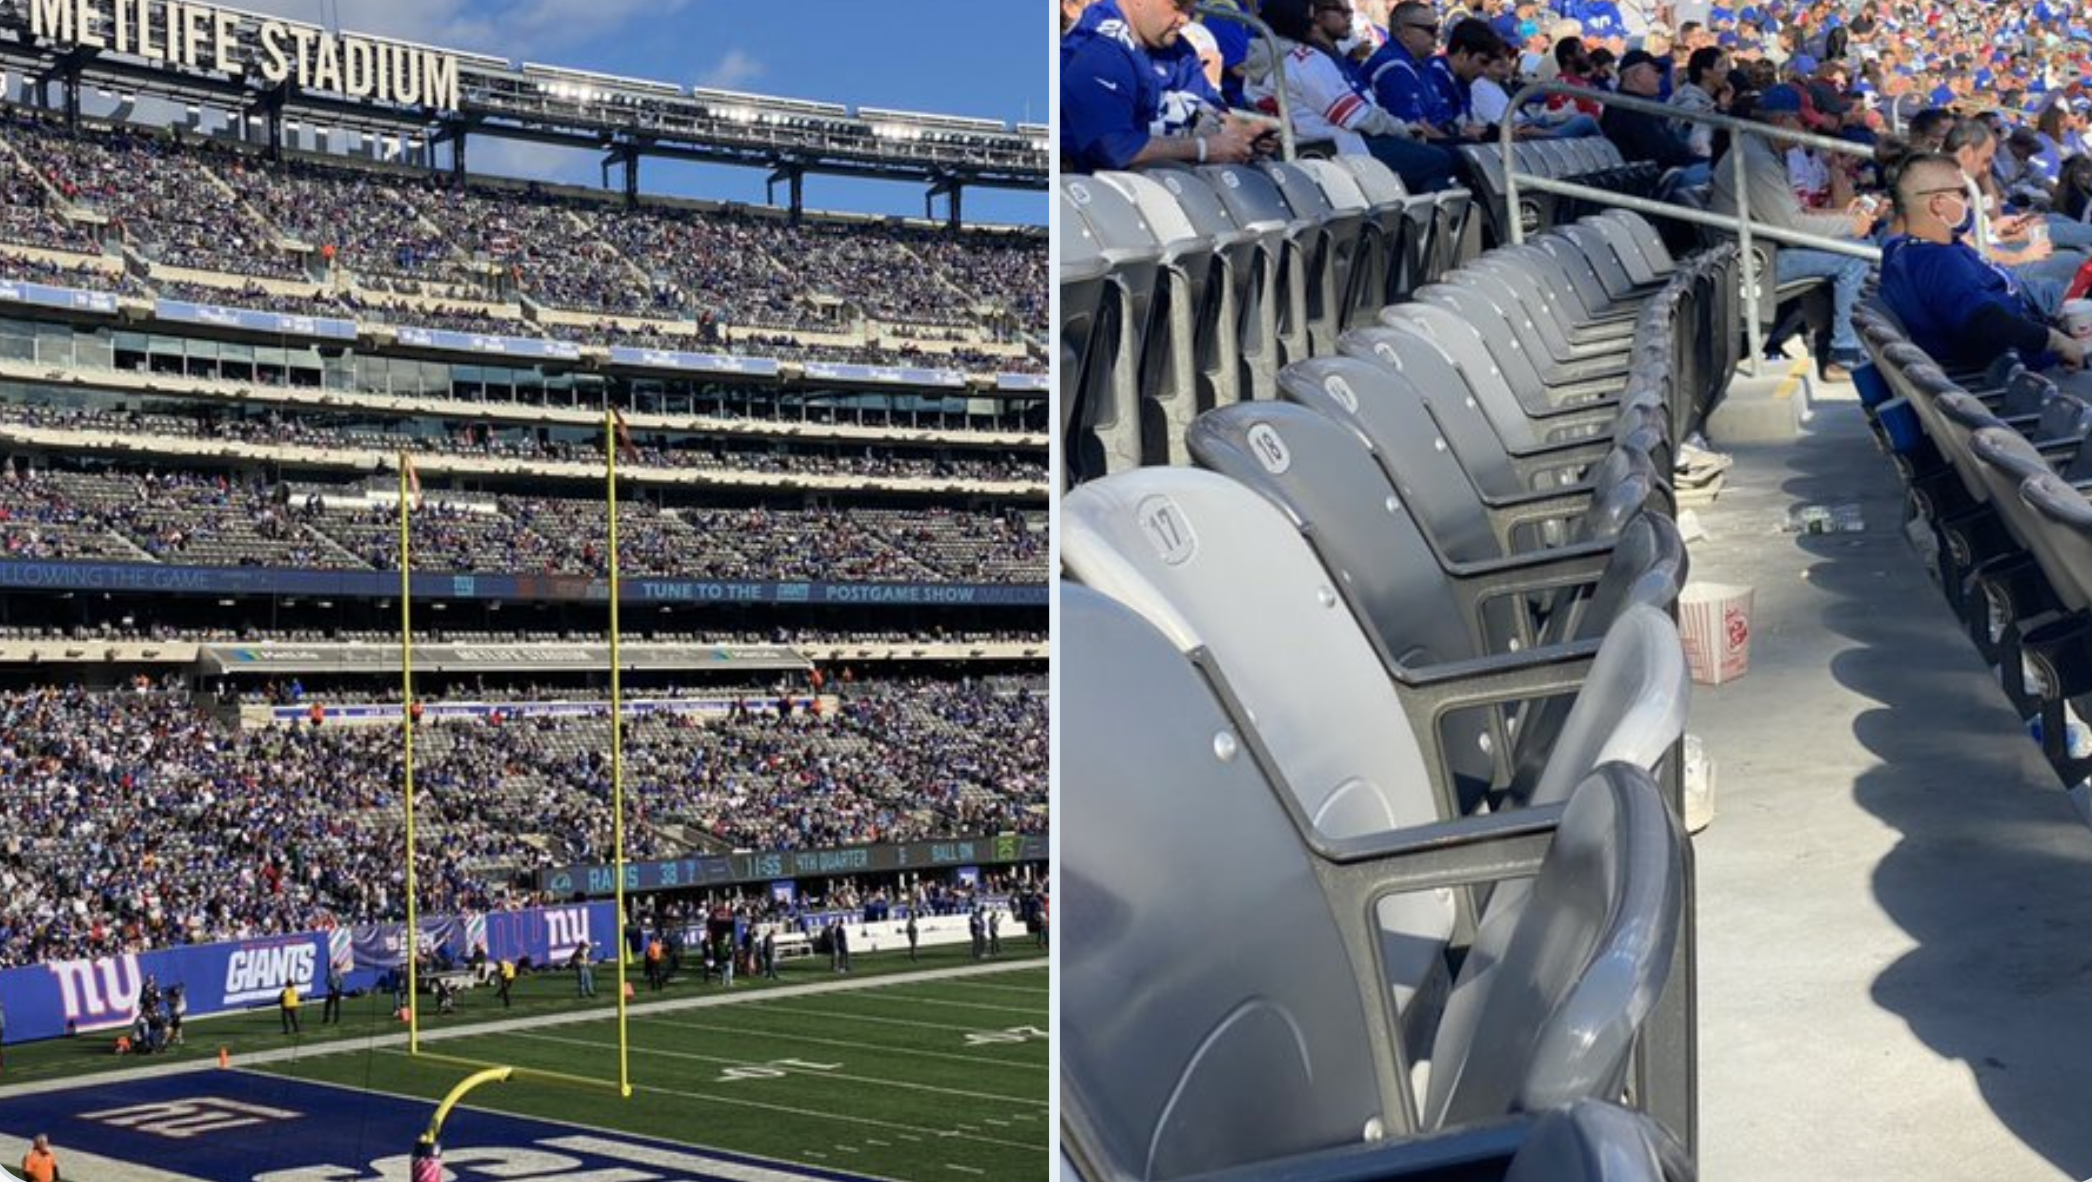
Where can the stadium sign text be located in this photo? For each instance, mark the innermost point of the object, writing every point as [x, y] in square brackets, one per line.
[259, 974]
[203, 37]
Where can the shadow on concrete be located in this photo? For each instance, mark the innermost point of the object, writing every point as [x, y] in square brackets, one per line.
[1992, 874]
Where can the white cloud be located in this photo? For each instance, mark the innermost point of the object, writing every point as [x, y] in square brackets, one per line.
[732, 72]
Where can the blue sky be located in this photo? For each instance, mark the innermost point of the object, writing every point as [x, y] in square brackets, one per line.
[985, 58]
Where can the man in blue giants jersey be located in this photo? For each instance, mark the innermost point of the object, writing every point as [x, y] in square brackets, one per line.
[1132, 93]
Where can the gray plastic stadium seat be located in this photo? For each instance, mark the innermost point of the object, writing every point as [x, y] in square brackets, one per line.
[1542, 281]
[1323, 476]
[1254, 201]
[1590, 1141]
[2004, 462]
[1379, 256]
[1554, 1004]
[1410, 347]
[1622, 277]
[1249, 257]
[1390, 410]
[1491, 194]
[1250, 1057]
[1135, 254]
[1108, 416]
[1218, 568]
[2061, 507]
[1604, 286]
[1532, 330]
[1196, 309]
[1502, 477]
[1087, 325]
[1418, 214]
[1553, 412]
[1338, 239]
[1234, 1059]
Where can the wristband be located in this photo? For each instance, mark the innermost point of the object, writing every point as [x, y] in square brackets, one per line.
[1201, 142]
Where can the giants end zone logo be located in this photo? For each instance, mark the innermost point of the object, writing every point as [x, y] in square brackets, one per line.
[259, 974]
[98, 994]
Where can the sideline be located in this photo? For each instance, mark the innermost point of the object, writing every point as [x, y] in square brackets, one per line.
[509, 1025]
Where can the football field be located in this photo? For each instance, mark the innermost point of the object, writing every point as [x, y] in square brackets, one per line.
[933, 1073]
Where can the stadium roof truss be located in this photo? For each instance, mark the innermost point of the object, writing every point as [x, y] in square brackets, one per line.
[628, 119]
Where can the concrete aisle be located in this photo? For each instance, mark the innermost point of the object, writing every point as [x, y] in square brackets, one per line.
[1896, 894]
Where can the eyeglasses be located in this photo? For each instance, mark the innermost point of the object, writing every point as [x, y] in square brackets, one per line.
[1431, 29]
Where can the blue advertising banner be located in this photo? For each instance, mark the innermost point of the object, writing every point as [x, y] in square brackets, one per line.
[235, 580]
[324, 327]
[473, 342]
[762, 367]
[1020, 381]
[834, 372]
[69, 299]
[60, 997]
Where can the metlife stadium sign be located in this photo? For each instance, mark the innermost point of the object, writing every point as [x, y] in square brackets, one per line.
[203, 37]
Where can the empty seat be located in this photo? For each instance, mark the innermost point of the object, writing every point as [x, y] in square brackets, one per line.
[1425, 622]
[1195, 304]
[1249, 257]
[1404, 425]
[1140, 392]
[1418, 214]
[1330, 264]
[1234, 1060]
[1253, 200]
[1088, 333]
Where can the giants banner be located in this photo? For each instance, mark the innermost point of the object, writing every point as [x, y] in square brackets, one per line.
[80, 996]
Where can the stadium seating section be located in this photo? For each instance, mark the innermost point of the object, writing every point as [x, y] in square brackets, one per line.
[1369, 565]
[400, 246]
[1997, 469]
[201, 519]
[140, 818]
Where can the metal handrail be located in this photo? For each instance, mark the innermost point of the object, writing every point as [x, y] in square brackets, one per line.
[1287, 149]
[1739, 223]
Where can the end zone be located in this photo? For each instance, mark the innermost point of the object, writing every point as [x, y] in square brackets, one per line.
[235, 1126]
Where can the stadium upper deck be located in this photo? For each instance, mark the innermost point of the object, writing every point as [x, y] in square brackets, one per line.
[412, 247]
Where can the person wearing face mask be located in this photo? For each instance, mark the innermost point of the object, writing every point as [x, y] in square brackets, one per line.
[1959, 307]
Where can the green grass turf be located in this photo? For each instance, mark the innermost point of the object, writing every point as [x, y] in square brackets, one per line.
[545, 993]
[911, 1080]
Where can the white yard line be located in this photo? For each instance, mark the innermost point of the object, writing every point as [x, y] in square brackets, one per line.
[971, 1005]
[844, 1017]
[692, 1056]
[969, 1060]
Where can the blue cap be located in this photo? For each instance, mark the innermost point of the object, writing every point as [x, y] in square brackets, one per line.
[1803, 64]
[1780, 100]
[1727, 40]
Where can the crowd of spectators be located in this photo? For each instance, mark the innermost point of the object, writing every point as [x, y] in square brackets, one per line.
[207, 206]
[2000, 89]
[159, 197]
[194, 518]
[521, 443]
[140, 819]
